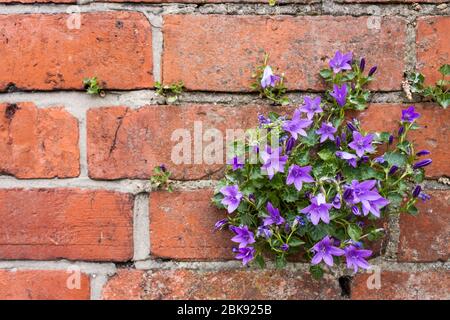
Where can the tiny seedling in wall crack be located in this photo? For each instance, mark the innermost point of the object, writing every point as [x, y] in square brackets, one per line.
[160, 178]
[171, 91]
[92, 86]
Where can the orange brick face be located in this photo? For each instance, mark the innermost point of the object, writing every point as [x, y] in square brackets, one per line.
[43, 285]
[48, 224]
[211, 58]
[433, 46]
[57, 57]
[426, 237]
[38, 143]
[182, 227]
[223, 284]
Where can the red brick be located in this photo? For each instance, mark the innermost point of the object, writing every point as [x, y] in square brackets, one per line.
[47, 224]
[432, 136]
[221, 51]
[433, 46]
[220, 284]
[42, 285]
[38, 1]
[182, 224]
[426, 237]
[38, 143]
[126, 143]
[397, 285]
[114, 46]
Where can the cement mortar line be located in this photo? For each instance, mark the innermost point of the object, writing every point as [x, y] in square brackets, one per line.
[77, 102]
[385, 265]
[131, 186]
[325, 7]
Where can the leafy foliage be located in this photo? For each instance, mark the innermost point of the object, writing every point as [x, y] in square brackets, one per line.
[160, 178]
[92, 86]
[171, 91]
[438, 93]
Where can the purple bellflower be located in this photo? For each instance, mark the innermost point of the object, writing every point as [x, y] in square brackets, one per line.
[284, 247]
[355, 257]
[340, 94]
[297, 175]
[409, 115]
[264, 232]
[318, 209]
[361, 144]
[274, 216]
[325, 250]
[236, 164]
[232, 197]
[268, 78]
[366, 194]
[326, 131]
[243, 236]
[273, 162]
[245, 254]
[296, 125]
[351, 158]
[341, 61]
[311, 107]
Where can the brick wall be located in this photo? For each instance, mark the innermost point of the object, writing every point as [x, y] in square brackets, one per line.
[78, 218]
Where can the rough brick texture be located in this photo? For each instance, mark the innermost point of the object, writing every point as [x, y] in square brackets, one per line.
[433, 135]
[114, 46]
[221, 51]
[49, 224]
[38, 143]
[426, 237]
[397, 285]
[223, 284]
[127, 143]
[43, 285]
[182, 224]
[433, 46]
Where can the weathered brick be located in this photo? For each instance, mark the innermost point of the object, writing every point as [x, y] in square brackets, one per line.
[220, 284]
[222, 51]
[182, 224]
[38, 143]
[433, 46]
[433, 135]
[426, 237]
[38, 1]
[126, 143]
[393, 1]
[75, 224]
[397, 285]
[114, 46]
[42, 285]
[218, 1]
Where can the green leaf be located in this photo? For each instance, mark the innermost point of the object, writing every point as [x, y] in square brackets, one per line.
[316, 272]
[354, 232]
[395, 199]
[295, 242]
[445, 70]
[259, 260]
[395, 158]
[280, 262]
[326, 154]
[412, 210]
[326, 73]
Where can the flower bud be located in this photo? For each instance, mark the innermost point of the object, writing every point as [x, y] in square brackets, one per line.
[372, 71]
[290, 145]
[422, 163]
[362, 64]
[338, 142]
[422, 153]
[401, 130]
[391, 139]
[393, 170]
[416, 191]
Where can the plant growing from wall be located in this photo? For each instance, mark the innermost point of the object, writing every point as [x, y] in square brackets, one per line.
[171, 92]
[92, 86]
[160, 180]
[268, 84]
[320, 184]
[439, 92]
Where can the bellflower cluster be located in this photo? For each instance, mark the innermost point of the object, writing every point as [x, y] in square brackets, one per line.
[320, 183]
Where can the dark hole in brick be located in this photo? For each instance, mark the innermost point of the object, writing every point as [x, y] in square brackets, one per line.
[345, 284]
[119, 24]
[10, 110]
[11, 87]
